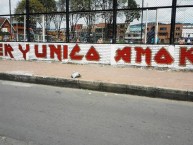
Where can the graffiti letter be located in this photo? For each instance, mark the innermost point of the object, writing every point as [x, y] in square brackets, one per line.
[44, 51]
[75, 50]
[124, 54]
[186, 55]
[163, 57]
[24, 52]
[8, 50]
[92, 55]
[57, 51]
[140, 51]
[65, 51]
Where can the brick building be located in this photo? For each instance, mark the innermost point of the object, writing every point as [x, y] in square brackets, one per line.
[164, 32]
[5, 29]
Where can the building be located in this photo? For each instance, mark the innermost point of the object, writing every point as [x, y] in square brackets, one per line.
[19, 29]
[5, 29]
[100, 30]
[5, 25]
[133, 33]
[105, 31]
[164, 32]
[187, 30]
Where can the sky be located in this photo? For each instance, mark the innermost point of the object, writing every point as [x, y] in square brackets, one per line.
[150, 3]
[5, 6]
[183, 15]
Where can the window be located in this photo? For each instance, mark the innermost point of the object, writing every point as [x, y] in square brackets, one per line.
[163, 28]
[162, 34]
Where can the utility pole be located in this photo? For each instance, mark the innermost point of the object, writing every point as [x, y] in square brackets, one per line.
[142, 22]
[27, 20]
[173, 21]
[146, 23]
[114, 21]
[43, 28]
[24, 26]
[67, 21]
[10, 18]
[156, 28]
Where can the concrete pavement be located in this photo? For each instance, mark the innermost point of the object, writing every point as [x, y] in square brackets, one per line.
[46, 115]
[127, 80]
[11, 141]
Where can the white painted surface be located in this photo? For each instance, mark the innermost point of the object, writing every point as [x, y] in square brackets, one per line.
[107, 54]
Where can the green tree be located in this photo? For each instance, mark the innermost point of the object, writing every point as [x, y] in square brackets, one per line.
[124, 4]
[34, 6]
[75, 5]
[49, 6]
[58, 19]
[132, 14]
[88, 17]
[128, 15]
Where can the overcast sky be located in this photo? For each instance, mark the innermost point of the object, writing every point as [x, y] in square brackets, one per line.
[5, 6]
[151, 3]
[164, 15]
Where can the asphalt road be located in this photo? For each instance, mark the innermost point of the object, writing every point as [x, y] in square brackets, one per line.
[45, 115]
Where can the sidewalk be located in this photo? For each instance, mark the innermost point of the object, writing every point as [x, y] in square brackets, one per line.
[128, 80]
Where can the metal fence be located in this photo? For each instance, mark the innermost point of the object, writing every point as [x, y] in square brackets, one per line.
[97, 21]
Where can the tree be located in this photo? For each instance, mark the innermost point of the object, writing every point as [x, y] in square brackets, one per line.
[132, 14]
[36, 6]
[49, 6]
[88, 17]
[58, 19]
[75, 5]
[129, 15]
[106, 16]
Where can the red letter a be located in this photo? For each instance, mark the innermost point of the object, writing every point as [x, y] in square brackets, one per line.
[92, 55]
[163, 57]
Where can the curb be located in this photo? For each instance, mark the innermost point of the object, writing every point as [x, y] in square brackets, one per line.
[154, 92]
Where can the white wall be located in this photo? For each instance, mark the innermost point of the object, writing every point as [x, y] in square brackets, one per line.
[107, 53]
